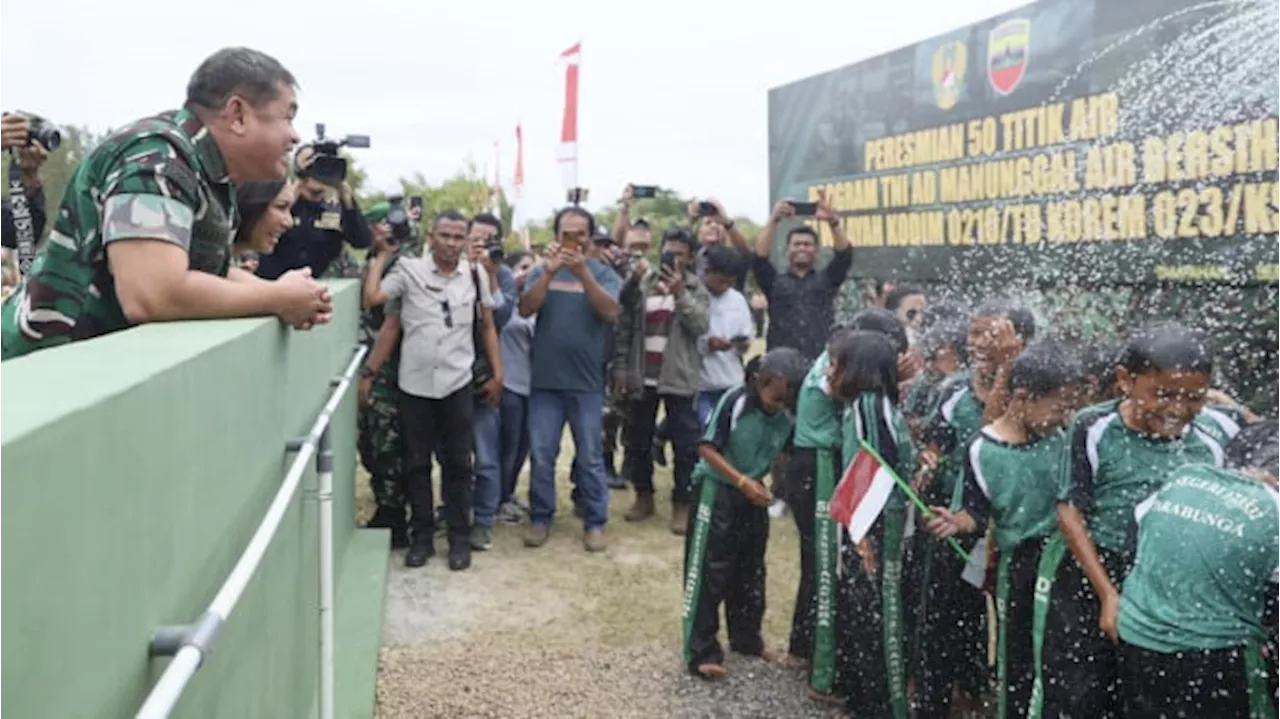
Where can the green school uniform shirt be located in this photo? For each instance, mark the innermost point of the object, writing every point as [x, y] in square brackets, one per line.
[1016, 485]
[952, 426]
[1208, 552]
[817, 415]
[1108, 468]
[749, 438]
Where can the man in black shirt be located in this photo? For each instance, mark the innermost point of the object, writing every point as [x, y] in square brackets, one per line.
[320, 226]
[801, 299]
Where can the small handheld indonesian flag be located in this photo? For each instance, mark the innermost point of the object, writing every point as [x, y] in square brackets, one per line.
[860, 496]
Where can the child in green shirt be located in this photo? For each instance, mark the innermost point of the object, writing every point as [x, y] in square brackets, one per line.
[729, 527]
[1011, 480]
[1191, 615]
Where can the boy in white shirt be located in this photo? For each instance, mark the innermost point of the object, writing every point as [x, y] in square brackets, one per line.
[729, 336]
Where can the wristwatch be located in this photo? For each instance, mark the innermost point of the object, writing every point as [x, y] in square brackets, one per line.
[366, 371]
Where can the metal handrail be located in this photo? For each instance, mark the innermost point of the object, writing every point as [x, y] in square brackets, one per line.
[189, 644]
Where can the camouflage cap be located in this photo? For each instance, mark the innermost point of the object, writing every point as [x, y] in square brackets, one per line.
[377, 213]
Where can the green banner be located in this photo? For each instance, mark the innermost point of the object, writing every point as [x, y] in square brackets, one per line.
[1063, 142]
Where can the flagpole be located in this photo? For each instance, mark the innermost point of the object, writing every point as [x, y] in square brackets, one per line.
[911, 494]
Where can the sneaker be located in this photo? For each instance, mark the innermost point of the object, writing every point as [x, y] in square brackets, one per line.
[510, 513]
[615, 482]
[535, 535]
[593, 540]
[481, 537]
[778, 509]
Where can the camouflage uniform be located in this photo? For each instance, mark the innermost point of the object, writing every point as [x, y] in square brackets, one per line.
[345, 267]
[161, 178]
[380, 442]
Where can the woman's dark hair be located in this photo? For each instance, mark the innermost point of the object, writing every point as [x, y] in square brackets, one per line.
[953, 335]
[1024, 323]
[723, 261]
[1167, 346]
[252, 201]
[1257, 446]
[900, 293]
[1044, 368]
[785, 363]
[868, 362]
[514, 258]
[578, 211]
[876, 319]
[750, 369]
[944, 311]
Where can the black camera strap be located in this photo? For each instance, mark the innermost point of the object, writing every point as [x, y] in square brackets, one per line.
[21, 214]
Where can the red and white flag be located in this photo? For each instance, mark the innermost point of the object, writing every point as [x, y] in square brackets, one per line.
[860, 496]
[567, 154]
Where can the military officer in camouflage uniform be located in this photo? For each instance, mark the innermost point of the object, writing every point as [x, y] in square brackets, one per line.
[143, 233]
[380, 443]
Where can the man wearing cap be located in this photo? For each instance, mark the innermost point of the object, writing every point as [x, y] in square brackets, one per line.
[661, 314]
[380, 442]
[324, 219]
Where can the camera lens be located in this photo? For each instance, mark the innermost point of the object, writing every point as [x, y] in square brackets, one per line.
[46, 135]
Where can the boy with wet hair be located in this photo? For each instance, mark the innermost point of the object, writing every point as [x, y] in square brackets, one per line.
[1191, 622]
[729, 527]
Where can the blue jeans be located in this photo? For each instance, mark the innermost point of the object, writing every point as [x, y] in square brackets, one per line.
[707, 401]
[488, 435]
[548, 412]
[515, 440]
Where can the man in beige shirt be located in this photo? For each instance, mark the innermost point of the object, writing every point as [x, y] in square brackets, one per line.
[442, 298]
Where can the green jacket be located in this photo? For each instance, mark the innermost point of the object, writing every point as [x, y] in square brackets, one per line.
[680, 360]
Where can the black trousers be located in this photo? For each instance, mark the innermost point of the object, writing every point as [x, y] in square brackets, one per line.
[953, 632]
[802, 471]
[1081, 665]
[1184, 685]
[682, 421]
[860, 662]
[731, 572]
[443, 427]
[1019, 659]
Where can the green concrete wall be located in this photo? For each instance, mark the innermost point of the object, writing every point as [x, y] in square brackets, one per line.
[136, 466]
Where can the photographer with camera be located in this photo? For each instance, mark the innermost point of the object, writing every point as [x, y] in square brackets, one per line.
[142, 234]
[31, 140]
[322, 222]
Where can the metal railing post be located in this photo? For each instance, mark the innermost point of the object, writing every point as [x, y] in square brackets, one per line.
[190, 644]
[324, 495]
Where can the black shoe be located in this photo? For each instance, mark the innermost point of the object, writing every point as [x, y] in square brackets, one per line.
[389, 518]
[459, 557]
[419, 552]
[615, 482]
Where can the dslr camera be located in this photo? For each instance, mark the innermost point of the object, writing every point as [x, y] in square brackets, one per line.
[398, 218]
[41, 131]
[327, 166]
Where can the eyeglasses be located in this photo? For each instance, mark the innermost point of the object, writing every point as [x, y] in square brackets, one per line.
[448, 314]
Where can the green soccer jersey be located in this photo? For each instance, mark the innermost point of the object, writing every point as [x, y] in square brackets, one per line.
[1208, 553]
[952, 426]
[921, 396]
[749, 438]
[162, 178]
[817, 416]
[1108, 468]
[1014, 485]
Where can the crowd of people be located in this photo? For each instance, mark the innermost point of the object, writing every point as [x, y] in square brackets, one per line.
[1119, 510]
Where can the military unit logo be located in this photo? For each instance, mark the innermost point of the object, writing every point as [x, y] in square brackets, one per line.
[1008, 48]
[949, 63]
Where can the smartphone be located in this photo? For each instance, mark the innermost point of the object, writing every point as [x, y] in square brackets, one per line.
[805, 209]
[669, 260]
[415, 203]
[706, 209]
[737, 339]
[644, 192]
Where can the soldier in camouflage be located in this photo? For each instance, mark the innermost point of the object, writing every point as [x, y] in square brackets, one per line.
[144, 230]
[380, 442]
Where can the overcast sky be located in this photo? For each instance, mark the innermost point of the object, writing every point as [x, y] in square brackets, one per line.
[672, 92]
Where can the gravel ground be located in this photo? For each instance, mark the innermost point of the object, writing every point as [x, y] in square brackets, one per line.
[488, 678]
[558, 632]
